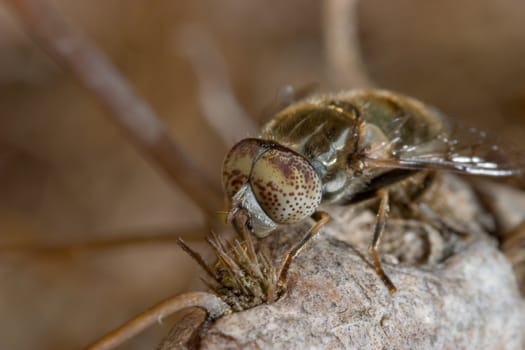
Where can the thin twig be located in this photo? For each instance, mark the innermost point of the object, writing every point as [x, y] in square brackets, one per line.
[198, 258]
[343, 54]
[130, 112]
[213, 305]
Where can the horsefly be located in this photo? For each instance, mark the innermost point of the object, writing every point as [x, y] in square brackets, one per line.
[343, 149]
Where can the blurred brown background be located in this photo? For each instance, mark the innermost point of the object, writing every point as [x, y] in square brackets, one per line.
[67, 174]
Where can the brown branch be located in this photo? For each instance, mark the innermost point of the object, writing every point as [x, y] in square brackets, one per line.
[129, 111]
[213, 305]
[336, 301]
[343, 54]
[453, 291]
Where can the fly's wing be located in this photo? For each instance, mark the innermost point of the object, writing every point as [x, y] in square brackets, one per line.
[454, 148]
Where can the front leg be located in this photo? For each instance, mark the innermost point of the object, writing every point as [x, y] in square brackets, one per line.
[321, 218]
[382, 216]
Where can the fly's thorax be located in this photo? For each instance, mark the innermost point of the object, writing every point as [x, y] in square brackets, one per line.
[325, 133]
[271, 183]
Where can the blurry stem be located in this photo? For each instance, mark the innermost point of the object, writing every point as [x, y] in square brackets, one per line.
[129, 111]
[69, 250]
[212, 304]
[345, 63]
[218, 103]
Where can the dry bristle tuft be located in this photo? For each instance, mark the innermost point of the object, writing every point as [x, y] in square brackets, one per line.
[242, 276]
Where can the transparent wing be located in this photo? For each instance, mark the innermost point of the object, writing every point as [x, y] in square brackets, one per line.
[455, 148]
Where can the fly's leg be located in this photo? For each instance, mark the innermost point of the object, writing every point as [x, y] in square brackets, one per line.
[382, 215]
[321, 219]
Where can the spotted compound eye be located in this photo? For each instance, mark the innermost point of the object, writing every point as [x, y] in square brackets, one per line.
[237, 165]
[286, 186]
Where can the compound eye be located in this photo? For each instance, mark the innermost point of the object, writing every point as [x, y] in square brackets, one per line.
[286, 186]
[238, 164]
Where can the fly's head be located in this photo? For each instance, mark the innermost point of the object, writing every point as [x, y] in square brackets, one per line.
[269, 185]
